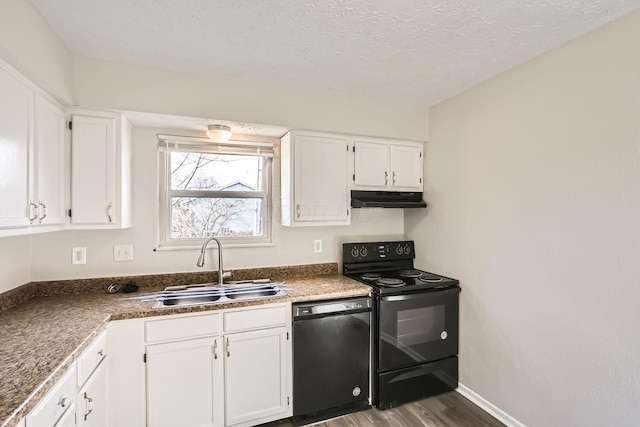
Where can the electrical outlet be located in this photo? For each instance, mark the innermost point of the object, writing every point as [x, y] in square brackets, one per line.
[79, 256]
[317, 246]
[123, 253]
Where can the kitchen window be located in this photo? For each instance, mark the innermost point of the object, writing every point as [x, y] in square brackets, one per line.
[213, 189]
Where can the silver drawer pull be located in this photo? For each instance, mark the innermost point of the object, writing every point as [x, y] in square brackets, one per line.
[89, 409]
[62, 402]
[101, 353]
[33, 212]
[42, 208]
[228, 348]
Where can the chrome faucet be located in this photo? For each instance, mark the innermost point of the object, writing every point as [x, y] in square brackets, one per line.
[200, 262]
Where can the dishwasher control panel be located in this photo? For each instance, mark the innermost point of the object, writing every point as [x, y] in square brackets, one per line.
[328, 307]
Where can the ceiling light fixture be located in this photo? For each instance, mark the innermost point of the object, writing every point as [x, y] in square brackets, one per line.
[219, 133]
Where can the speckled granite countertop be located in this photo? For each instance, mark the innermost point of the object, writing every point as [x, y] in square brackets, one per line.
[41, 337]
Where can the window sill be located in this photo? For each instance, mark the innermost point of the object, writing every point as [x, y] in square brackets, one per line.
[225, 246]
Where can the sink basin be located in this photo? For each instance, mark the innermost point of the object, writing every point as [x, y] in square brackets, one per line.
[190, 300]
[180, 296]
[261, 292]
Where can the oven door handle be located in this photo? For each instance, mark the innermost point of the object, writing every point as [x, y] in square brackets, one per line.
[422, 295]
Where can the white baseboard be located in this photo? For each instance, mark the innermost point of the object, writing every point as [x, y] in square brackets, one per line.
[489, 407]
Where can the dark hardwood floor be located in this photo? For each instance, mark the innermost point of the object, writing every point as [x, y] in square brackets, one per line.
[446, 410]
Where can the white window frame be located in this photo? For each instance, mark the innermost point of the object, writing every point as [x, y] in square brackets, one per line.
[168, 143]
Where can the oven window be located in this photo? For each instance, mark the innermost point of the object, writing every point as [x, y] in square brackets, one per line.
[417, 328]
[420, 325]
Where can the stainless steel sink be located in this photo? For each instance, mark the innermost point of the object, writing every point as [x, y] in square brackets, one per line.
[180, 296]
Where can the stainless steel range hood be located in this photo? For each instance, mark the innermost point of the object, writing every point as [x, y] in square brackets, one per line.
[387, 199]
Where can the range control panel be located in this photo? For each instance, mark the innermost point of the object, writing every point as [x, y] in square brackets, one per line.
[377, 251]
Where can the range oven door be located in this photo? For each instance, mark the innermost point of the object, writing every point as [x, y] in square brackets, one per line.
[417, 328]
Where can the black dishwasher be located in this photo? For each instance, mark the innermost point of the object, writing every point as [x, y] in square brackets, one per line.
[331, 358]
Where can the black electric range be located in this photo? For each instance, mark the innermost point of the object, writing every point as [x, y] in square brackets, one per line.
[415, 322]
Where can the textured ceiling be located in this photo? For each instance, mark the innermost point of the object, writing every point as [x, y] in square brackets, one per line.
[423, 51]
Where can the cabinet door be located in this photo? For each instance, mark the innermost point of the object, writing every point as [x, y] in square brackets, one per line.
[49, 162]
[93, 170]
[255, 375]
[68, 419]
[320, 179]
[371, 164]
[406, 166]
[16, 136]
[92, 403]
[184, 383]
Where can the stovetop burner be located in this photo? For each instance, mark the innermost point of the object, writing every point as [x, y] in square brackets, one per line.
[410, 273]
[431, 278]
[370, 276]
[390, 282]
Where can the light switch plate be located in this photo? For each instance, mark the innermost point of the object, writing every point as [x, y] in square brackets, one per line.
[317, 246]
[123, 253]
[79, 256]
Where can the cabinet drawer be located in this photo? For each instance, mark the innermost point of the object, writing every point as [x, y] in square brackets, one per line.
[255, 319]
[55, 403]
[178, 328]
[91, 358]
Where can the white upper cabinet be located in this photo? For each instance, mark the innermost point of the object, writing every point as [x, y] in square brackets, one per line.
[371, 164]
[100, 171]
[314, 179]
[49, 163]
[405, 164]
[387, 165]
[16, 140]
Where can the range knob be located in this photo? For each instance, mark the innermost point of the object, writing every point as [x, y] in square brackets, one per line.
[399, 250]
[363, 252]
[407, 249]
[355, 252]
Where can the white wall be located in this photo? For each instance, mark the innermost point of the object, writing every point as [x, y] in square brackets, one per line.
[111, 85]
[533, 180]
[52, 251]
[15, 267]
[29, 44]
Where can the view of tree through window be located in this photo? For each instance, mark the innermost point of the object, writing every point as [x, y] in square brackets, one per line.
[216, 195]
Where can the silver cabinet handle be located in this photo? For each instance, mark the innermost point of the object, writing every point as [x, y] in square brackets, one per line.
[298, 210]
[386, 178]
[215, 349]
[43, 211]
[62, 402]
[101, 353]
[89, 409]
[33, 212]
[228, 348]
[109, 211]
[393, 177]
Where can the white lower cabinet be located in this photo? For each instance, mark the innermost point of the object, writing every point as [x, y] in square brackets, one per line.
[231, 367]
[79, 398]
[255, 375]
[184, 383]
[92, 401]
[56, 402]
